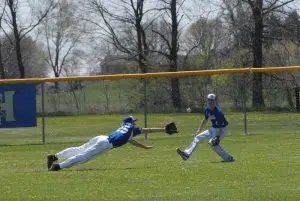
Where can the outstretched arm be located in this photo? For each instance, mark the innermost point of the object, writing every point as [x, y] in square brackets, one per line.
[169, 128]
[153, 130]
[137, 144]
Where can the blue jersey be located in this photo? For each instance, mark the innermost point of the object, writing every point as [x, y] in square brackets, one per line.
[123, 134]
[216, 116]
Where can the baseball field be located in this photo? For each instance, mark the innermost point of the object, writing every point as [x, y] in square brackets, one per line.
[267, 165]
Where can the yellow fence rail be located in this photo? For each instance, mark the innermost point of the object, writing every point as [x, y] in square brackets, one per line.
[152, 75]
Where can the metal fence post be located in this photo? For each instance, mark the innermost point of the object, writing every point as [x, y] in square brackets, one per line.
[245, 105]
[245, 118]
[43, 113]
[297, 94]
[145, 106]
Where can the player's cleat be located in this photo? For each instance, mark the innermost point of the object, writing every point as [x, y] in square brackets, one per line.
[229, 159]
[54, 167]
[183, 155]
[50, 160]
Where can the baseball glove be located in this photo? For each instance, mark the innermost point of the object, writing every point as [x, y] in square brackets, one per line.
[171, 128]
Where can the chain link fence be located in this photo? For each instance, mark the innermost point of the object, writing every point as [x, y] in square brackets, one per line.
[58, 104]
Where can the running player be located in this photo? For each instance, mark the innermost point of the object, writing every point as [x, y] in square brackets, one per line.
[214, 134]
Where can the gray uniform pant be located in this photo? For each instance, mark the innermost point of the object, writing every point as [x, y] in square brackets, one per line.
[208, 135]
[75, 155]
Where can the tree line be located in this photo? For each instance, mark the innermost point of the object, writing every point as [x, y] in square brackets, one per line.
[65, 37]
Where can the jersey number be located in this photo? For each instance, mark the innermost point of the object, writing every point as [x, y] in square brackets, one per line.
[123, 129]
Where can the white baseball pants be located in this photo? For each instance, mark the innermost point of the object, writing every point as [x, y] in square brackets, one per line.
[75, 155]
[207, 135]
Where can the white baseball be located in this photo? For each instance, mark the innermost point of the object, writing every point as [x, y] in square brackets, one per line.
[188, 109]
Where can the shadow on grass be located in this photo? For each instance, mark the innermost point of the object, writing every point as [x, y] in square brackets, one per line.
[133, 168]
[15, 145]
[105, 169]
[39, 144]
[223, 162]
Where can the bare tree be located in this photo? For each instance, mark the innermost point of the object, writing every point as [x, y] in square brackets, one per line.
[121, 24]
[1, 62]
[19, 30]
[32, 54]
[204, 38]
[170, 20]
[253, 25]
[6, 50]
[292, 27]
[71, 68]
[63, 31]
[1, 57]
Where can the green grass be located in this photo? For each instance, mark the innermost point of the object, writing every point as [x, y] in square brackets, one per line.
[98, 97]
[267, 166]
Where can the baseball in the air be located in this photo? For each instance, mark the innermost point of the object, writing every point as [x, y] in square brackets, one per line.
[188, 109]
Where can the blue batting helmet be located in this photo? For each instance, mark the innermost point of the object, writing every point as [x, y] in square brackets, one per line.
[129, 119]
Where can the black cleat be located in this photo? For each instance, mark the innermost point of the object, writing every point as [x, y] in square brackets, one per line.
[183, 155]
[54, 167]
[229, 159]
[50, 160]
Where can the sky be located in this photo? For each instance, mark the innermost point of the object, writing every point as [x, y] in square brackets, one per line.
[193, 9]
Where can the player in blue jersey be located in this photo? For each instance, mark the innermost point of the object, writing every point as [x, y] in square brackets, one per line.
[214, 134]
[99, 144]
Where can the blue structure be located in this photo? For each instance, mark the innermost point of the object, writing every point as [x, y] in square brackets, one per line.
[18, 105]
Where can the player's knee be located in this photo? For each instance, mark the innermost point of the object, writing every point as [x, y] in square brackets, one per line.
[196, 140]
[200, 138]
[214, 141]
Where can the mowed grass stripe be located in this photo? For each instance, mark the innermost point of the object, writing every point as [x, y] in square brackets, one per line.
[267, 166]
